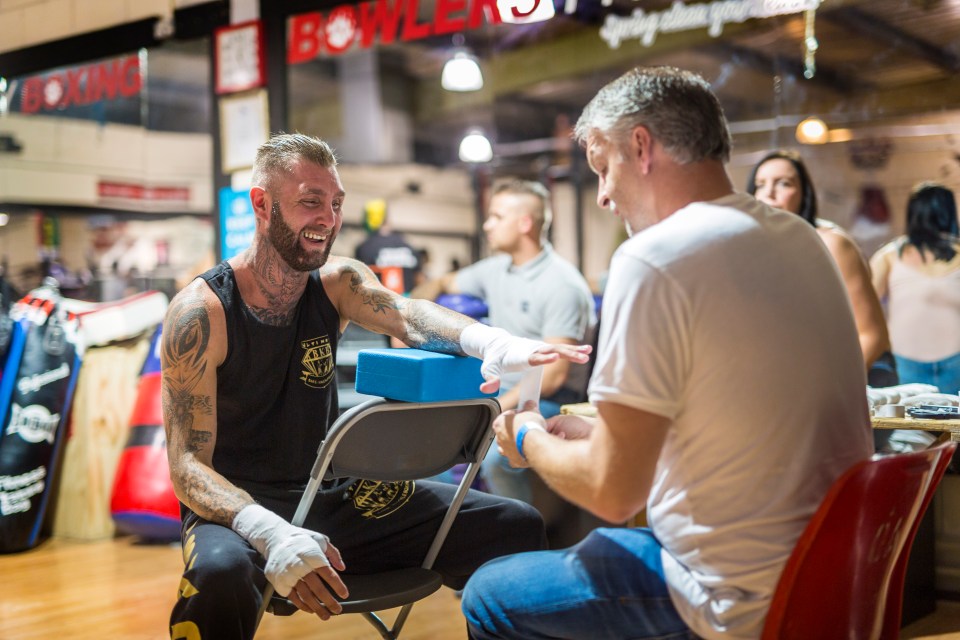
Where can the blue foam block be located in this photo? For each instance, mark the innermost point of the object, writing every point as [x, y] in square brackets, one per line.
[414, 375]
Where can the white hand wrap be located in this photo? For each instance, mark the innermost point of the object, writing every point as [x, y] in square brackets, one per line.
[500, 351]
[291, 552]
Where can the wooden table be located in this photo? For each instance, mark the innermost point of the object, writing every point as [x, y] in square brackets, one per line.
[579, 409]
[948, 428]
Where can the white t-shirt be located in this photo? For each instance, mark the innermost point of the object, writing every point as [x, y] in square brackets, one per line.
[730, 318]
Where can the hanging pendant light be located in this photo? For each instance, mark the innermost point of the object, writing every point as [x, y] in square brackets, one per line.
[461, 73]
[475, 148]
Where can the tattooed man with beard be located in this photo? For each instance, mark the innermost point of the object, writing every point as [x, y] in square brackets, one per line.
[248, 392]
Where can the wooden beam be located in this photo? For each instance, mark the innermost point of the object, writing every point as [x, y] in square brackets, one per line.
[581, 54]
[758, 61]
[874, 28]
[924, 97]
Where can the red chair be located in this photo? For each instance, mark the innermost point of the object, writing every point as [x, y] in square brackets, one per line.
[891, 616]
[845, 576]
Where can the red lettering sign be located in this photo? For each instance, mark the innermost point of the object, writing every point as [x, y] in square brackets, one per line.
[384, 16]
[341, 28]
[412, 30]
[309, 33]
[305, 31]
[442, 22]
[84, 85]
[32, 97]
[134, 191]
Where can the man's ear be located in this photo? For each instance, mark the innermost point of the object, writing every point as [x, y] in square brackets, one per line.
[258, 198]
[641, 146]
[525, 222]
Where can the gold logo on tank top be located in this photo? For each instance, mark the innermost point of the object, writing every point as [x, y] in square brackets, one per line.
[317, 362]
[379, 499]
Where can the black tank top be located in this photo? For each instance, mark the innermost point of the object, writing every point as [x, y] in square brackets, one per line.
[276, 389]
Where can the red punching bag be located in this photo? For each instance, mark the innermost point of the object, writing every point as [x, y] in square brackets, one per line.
[143, 501]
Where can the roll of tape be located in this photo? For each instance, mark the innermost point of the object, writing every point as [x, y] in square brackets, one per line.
[891, 411]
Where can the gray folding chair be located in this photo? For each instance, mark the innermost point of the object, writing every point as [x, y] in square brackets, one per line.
[388, 441]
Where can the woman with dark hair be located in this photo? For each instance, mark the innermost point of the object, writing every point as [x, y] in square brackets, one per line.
[781, 180]
[919, 275]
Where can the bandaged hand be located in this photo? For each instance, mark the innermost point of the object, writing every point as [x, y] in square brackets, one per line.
[500, 351]
[291, 552]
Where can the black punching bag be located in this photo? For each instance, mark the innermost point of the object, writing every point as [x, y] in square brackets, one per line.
[33, 428]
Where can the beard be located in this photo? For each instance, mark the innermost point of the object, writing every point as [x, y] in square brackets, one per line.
[286, 242]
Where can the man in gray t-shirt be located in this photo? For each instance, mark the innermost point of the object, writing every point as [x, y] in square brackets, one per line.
[531, 292]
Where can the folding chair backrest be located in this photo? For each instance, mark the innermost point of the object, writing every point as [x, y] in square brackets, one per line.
[836, 582]
[387, 440]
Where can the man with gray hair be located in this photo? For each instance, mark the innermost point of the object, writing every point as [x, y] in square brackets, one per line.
[728, 387]
[532, 292]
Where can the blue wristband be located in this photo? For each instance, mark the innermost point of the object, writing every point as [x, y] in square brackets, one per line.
[522, 433]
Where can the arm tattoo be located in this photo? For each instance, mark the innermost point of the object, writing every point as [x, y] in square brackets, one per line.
[196, 440]
[379, 300]
[183, 368]
[184, 355]
[425, 325]
[433, 327]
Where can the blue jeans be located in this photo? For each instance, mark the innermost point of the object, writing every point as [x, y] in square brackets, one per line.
[608, 586]
[944, 374]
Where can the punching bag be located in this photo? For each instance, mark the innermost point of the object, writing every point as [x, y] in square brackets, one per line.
[33, 427]
[143, 501]
[10, 361]
[12, 334]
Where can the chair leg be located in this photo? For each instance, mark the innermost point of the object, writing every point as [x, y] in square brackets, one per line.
[401, 619]
[267, 594]
[378, 624]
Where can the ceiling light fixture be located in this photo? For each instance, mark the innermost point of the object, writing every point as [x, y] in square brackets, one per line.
[475, 148]
[812, 130]
[461, 73]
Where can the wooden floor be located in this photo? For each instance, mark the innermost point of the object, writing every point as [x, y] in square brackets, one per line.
[121, 589]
